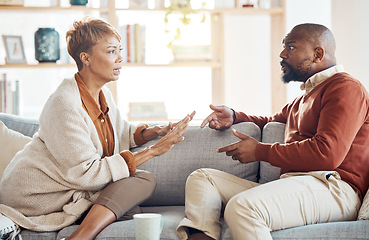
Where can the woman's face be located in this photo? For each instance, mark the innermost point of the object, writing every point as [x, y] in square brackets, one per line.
[105, 59]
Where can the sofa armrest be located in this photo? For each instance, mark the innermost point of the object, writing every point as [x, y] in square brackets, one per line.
[273, 132]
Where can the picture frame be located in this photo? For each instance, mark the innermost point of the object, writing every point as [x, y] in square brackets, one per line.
[14, 49]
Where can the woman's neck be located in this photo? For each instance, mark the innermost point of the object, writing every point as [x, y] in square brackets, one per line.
[92, 85]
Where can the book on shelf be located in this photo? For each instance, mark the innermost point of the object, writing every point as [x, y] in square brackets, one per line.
[9, 95]
[133, 42]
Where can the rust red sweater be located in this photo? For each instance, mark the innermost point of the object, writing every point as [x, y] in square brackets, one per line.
[326, 129]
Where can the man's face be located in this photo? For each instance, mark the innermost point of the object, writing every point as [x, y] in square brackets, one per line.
[297, 57]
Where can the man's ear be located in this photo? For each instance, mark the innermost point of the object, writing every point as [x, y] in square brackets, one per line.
[318, 54]
[84, 58]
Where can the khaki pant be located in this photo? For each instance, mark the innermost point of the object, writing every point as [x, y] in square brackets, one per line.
[253, 210]
[122, 197]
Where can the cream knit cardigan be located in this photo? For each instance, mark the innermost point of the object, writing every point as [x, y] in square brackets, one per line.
[60, 173]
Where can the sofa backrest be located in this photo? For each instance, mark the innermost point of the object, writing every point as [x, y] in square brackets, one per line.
[198, 150]
[273, 132]
[26, 126]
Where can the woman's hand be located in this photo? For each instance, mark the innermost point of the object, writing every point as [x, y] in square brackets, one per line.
[156, 131]
[163, 130]
[174, 136]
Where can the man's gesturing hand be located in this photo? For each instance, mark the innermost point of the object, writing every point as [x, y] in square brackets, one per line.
[243, 151]
[220, 119]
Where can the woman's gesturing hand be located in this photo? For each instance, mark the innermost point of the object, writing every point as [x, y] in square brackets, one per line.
[173, 136]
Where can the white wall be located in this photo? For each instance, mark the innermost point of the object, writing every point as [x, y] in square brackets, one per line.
[350, 20]
[247, 64]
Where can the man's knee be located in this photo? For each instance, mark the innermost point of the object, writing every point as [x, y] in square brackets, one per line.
[202, 173]
[237, 209]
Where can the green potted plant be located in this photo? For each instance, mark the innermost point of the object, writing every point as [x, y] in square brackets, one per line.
[184, 9]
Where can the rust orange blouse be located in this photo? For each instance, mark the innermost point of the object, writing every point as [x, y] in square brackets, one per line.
[104, 128]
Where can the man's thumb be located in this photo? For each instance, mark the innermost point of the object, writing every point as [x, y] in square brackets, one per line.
[239, 135]
[213, 107]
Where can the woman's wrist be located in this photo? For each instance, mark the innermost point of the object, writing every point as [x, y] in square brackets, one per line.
[144, 155]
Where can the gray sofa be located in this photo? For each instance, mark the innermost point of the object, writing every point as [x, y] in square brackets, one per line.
[172, 169]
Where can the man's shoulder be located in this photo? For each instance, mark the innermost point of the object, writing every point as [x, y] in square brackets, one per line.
[344, 79]
[344, 84]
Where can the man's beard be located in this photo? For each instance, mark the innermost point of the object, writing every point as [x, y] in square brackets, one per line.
[295, 74]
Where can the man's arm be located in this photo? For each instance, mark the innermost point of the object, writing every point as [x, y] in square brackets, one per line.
[343, 112]
[223, 117]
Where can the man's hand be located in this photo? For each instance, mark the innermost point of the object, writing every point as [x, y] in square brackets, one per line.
[243, 151]
[220, 119]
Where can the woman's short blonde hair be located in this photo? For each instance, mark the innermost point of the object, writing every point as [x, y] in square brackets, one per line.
[85, 34]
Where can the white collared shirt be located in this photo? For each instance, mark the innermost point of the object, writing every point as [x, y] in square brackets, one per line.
[320, 77]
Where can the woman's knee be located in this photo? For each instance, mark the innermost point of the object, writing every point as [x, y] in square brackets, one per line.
[149, 179]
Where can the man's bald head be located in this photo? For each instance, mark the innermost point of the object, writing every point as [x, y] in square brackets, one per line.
[309, 48]
[318, 36]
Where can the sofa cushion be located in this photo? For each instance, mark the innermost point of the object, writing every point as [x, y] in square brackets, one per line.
[347, 230]
[198, 150]
[11, 142]
[273, 132]
[364, 209]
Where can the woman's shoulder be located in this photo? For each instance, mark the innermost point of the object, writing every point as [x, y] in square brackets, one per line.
[64, 98]
[66, 92]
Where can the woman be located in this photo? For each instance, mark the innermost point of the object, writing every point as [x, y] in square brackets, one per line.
[79, 160]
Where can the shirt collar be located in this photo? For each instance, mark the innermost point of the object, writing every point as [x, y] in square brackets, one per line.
[320, 77]
[89, 103]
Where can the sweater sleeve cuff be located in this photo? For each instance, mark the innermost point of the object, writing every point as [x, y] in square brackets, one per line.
[262, 152]
[237, 117]
[138, 135]
[130, 161]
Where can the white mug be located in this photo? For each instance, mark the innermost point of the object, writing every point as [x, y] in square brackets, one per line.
[148, 226]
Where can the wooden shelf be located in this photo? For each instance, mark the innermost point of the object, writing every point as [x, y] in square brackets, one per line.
[247, 11]
[53, 8]
[250, 11]
[72, 65]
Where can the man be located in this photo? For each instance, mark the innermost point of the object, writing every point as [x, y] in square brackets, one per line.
[324, 161]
